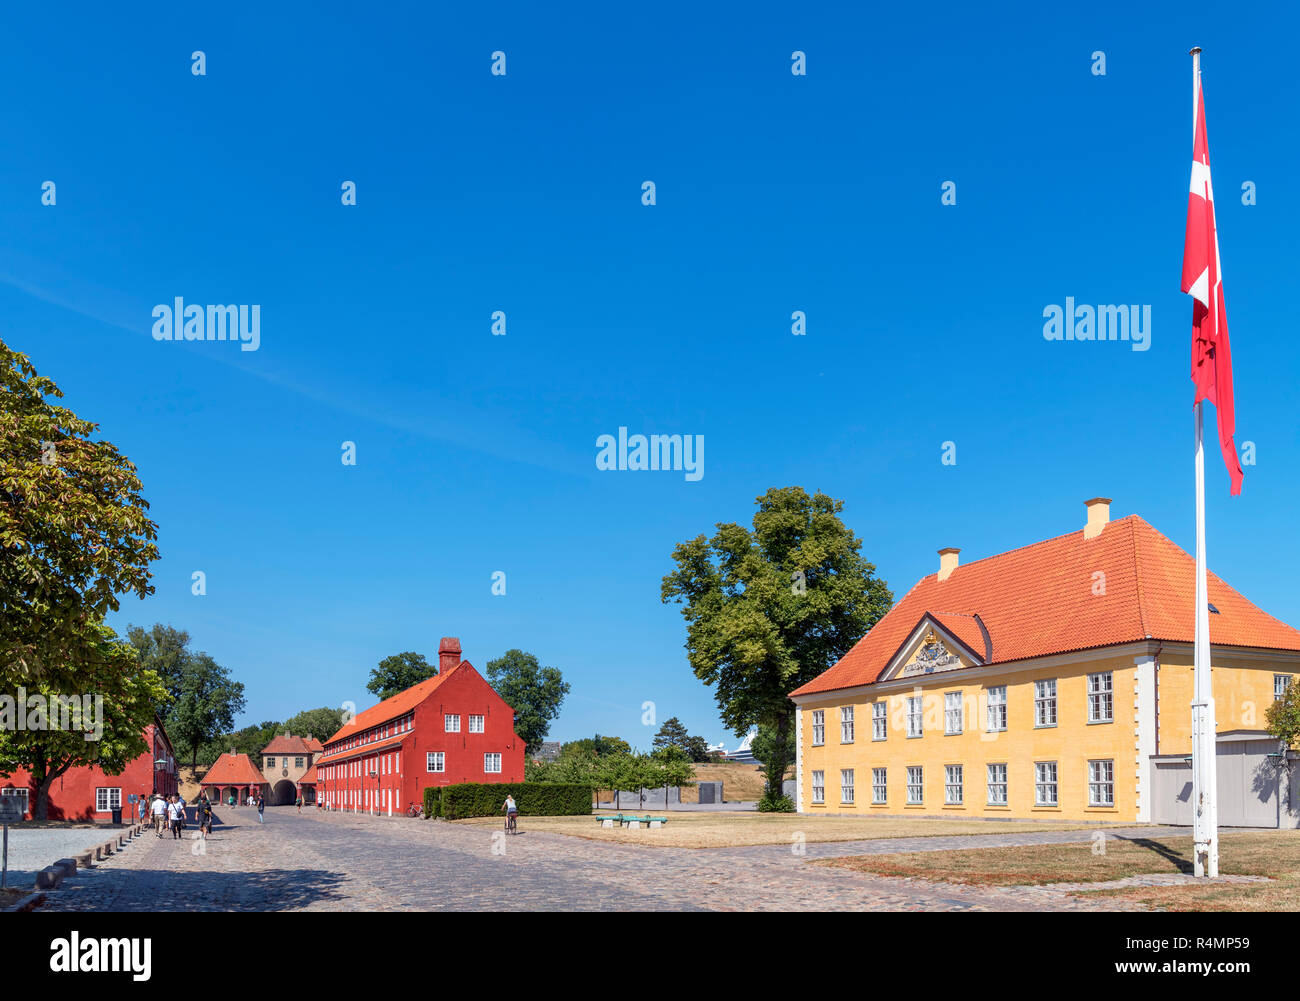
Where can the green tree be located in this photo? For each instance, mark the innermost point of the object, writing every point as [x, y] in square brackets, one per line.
[674, 734]
[764, 747]
[598, 746]
[1282, 718]
[534, 692]
[74, 533]
[770, 608]
[163, 650]
[398, 673]
[129, 698]
[208, 702]
[320, 723]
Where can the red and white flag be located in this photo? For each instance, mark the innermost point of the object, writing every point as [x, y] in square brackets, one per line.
[1203, 280]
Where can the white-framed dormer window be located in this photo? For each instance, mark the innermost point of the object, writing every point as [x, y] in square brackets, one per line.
[997, 781]
[435, 761]
[818, 787]
[1101, 783]
[914, 724]
[1101, 697]
[108, 799]
[846, 724]
[819, 727]
[879, 786]
[492, 763]
[1045, 702]
[952, 713]
[952, 785]
[451, 722]
[1280, 681]
[846, 785]
[914, 784]
[878, 721]
[476, 724]
[996, 709]
[1045, 783]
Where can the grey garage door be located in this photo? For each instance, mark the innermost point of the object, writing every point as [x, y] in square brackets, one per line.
[1252, 790]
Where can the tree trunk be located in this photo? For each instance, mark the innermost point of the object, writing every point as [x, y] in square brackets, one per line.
[774, 770]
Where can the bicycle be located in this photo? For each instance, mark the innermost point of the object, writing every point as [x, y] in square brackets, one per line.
[510, 823]
[415, 812]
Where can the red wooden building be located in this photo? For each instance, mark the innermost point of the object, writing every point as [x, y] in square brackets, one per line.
[450, 728]
[89, 793]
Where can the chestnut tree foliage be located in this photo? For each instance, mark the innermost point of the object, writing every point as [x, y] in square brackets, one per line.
[768, 608]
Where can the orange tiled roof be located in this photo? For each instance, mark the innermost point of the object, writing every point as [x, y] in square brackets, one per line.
[362, 750]
[1039, 600]
[287, 744]
[235, 770]
[395, 705]
[308, 777]
[314, 745]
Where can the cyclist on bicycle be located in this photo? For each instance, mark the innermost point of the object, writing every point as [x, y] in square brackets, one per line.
[511, 810]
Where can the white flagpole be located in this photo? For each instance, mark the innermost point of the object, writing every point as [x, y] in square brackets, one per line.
[1204, 749]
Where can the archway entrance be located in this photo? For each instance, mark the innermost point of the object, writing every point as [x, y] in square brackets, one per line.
[285, 793]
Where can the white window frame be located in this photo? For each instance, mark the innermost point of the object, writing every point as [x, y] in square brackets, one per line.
[846, 786]
[915, 716]
[818, 727]
[475, 723]
[1045, 784]
[110, 797]
[846, 724]
[879, 720]
[995, 710]
[996, 780]
[953, 785]
[491, 758]
[1101, 782]
[451, 722]
[435, 762]
[1101, 697]
[916, 772]
[879, 786]
[954, 712]
[1280, 682]
[818, 786]
[1045, 702]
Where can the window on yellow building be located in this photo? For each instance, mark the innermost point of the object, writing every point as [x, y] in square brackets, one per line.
[1101, 707]
[846, 785]
[878, 788]
[1045, 702]
[819, 727]
[997, 709]
[1280, 682]
[1101, 783]
[952, 713]
[819, 787]
[846, 725]
[952, 791]
[878, 724]
[914, 716]
[914, 784]
[1045, 783]
[997, 781]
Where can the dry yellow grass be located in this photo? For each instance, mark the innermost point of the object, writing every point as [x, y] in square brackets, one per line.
[188, 779]
[1275, 854]
[740, 783]
[726, 830]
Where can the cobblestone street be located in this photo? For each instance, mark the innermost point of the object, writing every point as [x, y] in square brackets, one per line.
[342, 862]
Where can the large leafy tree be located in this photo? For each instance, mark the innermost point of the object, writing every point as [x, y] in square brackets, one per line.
[74, 533]
[398, 673]
[203, 698]
[597, 746]
[320, 723]
[534, 692]
[771, 607]
[674, 734]
[1283, 717]
[108, 669]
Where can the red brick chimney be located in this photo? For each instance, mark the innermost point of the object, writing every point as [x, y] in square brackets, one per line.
[448, 654]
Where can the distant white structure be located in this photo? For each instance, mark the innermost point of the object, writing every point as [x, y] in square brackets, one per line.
[741, 755]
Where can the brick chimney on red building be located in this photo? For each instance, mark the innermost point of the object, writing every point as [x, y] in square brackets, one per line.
[448, 654]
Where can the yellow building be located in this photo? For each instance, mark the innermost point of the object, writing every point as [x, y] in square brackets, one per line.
[1053, 681]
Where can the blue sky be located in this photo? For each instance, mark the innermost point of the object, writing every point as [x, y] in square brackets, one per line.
[522, 193]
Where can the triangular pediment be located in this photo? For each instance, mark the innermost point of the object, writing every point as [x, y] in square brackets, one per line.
[931, 648]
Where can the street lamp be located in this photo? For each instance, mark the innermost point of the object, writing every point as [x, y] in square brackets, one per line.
[374, 774]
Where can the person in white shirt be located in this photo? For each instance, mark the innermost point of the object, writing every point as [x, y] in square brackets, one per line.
[174, 813]
[159, 810]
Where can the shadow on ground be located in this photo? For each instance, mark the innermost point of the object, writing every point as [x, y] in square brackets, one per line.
[272, 890]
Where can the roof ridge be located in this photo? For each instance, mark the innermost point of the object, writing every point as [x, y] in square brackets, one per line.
[1137, 574]
[1028, 545]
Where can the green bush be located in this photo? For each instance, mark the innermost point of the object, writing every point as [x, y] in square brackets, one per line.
[775, 804]
[484, 799]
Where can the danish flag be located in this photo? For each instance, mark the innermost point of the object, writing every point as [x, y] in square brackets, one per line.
[1203, 280]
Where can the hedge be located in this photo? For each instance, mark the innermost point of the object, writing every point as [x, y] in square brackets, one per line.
[484, 799]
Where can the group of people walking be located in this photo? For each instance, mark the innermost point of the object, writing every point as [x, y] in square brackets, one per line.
[258, 801]
[168, 813]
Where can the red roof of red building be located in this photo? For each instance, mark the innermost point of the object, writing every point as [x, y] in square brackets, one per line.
[308, 777]
[1042, 599]
[395, 705]
[235, 770]
[286, 743]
